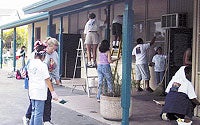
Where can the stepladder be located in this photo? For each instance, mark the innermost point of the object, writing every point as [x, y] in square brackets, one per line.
[116, 53]
[88, 73]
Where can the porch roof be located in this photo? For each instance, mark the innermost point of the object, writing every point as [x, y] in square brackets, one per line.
[25, 21]
[56, 8]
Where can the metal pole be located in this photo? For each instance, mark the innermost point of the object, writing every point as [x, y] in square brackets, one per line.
[50, 22]
[60, 51]
[65, 64]
[1, 49]
[108, 23]
[14, 49]
[33, 34]
[127, 42]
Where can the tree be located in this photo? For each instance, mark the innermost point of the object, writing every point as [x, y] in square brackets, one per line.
[21, 37]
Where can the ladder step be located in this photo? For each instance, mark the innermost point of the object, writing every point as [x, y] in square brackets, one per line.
[78, 67]
[115, 49]
[93, 86]
[91, 67]
[92, 77]
[115, 57]
[78, 49]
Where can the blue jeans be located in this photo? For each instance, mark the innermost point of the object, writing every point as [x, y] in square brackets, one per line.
[47, 108]
[104, 71]
[37, 112]
[159, 76]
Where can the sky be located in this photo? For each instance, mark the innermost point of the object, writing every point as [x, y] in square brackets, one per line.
[14, 5]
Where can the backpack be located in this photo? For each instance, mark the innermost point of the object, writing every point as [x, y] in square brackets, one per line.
[18, 74]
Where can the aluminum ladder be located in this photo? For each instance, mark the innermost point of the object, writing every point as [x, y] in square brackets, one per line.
[82, 55]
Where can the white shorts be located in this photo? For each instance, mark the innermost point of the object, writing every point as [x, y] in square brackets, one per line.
[92, 38]
[142, 72]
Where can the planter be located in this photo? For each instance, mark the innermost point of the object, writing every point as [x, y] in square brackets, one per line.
[133, 91]
[110, 108]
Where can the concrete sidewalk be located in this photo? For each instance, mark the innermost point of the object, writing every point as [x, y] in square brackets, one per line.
[145, 112]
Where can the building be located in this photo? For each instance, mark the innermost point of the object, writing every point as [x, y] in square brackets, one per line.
[176, 22]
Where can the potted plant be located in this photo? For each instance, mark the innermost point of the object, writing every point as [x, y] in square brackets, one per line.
[110, 104]
[133, 87]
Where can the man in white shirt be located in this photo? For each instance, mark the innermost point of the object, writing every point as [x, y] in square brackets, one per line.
[142, 69]
[181, 98]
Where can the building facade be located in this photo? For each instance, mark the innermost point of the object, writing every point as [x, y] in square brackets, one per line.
[163, 17]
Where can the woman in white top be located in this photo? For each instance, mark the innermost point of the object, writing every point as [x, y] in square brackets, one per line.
[92, 37]
[159, 63]
[39, 80]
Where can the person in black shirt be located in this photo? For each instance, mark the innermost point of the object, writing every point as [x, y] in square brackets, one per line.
[22, 55]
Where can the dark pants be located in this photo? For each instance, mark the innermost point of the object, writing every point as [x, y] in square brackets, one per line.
[177, 104]
[47, 108]
[159, 76]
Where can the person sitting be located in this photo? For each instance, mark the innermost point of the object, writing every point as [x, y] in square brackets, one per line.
[181, 99]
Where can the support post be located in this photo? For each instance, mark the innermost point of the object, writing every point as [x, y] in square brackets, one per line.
[33, 34]
[107, 34]
[127, 60]
[1, 49]
[14, 49]
[60, 51]
[50, 23]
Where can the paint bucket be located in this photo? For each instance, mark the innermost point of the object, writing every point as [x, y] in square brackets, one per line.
[91, 82]
[182, 122]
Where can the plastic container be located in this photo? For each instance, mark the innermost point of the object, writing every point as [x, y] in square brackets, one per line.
[181, 122]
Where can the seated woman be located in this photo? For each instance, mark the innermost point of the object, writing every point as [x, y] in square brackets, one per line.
[181, 99]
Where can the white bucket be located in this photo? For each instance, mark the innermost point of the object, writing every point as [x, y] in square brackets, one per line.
[91, 82]
[181, 122]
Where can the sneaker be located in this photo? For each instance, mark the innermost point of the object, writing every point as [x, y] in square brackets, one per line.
[164, 116]
[149, 89]
[48, 123]
[117, 44]
[114, 44]
[89, 64]
[139, 89]
[98, 100]
[94, 64]
[25, 120]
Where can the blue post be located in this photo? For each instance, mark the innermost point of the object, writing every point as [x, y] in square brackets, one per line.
[1, 49]
[107, 33]
[14, 49]
[127, 37]
[33, 40]
[60, 52]
[50, 22]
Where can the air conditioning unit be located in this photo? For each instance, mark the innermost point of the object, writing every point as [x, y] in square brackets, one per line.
[175, 20]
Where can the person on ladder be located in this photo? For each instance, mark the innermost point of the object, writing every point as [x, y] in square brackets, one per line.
[117, 30]
[92, 37]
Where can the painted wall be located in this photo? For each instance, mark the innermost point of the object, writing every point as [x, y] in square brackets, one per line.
[147, 18]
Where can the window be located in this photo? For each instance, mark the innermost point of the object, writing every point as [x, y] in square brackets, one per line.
[154, 26]
[38, 33]
[139, 31]
[53, 30]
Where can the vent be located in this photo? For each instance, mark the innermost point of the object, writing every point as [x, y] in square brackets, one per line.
[175, 20]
